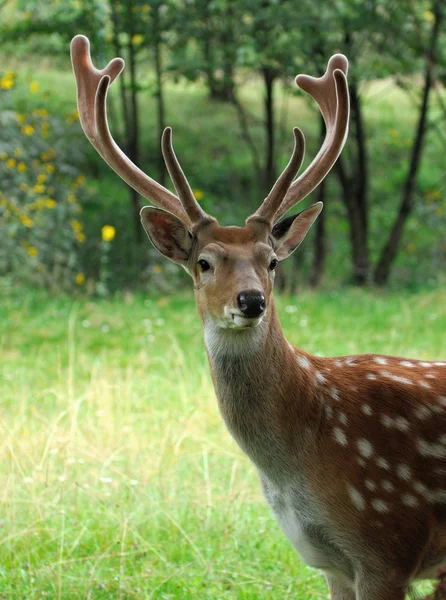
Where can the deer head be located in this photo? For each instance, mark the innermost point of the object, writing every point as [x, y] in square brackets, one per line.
[232, 267]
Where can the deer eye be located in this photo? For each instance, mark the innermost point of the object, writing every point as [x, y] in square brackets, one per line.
[204, 265]
[273, 264]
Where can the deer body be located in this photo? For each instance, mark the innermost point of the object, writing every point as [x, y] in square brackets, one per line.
[351, 451]
[341, 448]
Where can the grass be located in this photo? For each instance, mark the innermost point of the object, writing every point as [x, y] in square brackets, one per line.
[119, 479]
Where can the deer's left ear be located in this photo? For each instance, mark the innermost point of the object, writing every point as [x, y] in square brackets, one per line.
[290, 232]
[168, 234]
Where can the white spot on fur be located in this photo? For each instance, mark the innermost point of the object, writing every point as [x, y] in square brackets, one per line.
[371, 376]
[440, 364]
[334, 393]
[383, 463]
[420, 488]
[430, 449]
[361, 462]
[380, 506]
[387, 485]
[338, 363]
[320, 378]
[365, 448]
[442, 400]
[328, 411]
[380, 360]
[343, 418]
[426, 365]
[386, 421]
[410, 500]
[370, 485]
[340, 436]
[366, 409]
[303, 362]
[406, 363]
[404, 472]
[356, 498]
[402, 424]
[429, 376]
[425, 384]
[422, 413]
[399, 379]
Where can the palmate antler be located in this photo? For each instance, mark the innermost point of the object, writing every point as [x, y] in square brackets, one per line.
[330, 91]
[92, 88]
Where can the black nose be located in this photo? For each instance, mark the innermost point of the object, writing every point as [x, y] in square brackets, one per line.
[251, 303]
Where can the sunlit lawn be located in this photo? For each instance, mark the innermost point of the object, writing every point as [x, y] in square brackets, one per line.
[118, 478]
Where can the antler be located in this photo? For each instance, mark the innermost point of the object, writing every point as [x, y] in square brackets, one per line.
[331, 93]
[92, 89]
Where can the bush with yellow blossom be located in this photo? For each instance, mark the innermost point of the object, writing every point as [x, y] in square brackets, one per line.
[41, 195]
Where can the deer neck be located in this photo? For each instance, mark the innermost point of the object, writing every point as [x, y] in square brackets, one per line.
[264, 395]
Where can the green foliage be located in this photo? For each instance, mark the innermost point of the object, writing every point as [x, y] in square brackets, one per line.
[40, 197]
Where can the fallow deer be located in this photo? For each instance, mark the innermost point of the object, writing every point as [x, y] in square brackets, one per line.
[351, 450]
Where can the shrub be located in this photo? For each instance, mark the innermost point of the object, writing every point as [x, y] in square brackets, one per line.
[41, 195]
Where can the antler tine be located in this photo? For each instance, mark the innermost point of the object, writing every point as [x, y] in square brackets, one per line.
[92, 88]
[274, 199]
[184, 191]
[331, 93]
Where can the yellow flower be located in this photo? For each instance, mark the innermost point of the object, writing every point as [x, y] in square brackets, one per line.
[145, 8]
[18, 152]
[39, 188]
[80, 179]
[22, 167]
[157, 269]
[20, 118]
[71, 198]
[80, 279]
[23, 187]
[49, 168]
[137, 39]
[3, 156]
[108, 233]
[26, 221]
[11, 163]
[198, 195]
[7, 83]
[28, 129]
[428, 16]
[50, 203]
[34, 87]
[76, 225]
[32, 251]
[80, 237]
[41, 178]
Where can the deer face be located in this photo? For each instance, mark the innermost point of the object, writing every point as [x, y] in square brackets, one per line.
[232, 268]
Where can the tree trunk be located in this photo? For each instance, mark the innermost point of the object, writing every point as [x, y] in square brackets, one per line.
[270, 165]
[133, 133]
[390, 250]
[319, 240]
[358, 237]
[156, 30]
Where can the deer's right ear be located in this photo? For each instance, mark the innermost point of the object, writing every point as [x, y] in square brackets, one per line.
[168, 234]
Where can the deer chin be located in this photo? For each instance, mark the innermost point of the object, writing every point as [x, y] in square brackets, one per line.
[241, 322]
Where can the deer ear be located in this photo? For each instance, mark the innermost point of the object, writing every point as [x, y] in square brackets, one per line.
[167, 233]
[290, 232]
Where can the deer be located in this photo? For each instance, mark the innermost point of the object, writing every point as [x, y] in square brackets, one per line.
[350, 450]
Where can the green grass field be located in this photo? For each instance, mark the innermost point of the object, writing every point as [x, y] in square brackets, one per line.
[118, 477]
